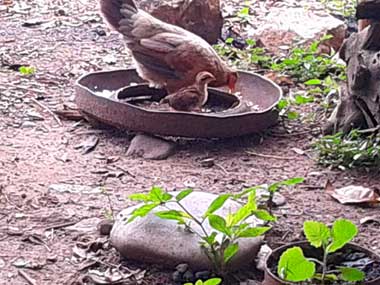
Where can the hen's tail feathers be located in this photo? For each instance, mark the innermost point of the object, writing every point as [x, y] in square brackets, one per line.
[116, 10]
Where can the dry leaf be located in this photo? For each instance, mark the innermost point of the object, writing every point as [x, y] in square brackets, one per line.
[367, 220]
[353, 194]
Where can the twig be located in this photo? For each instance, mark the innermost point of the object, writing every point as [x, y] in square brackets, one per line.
[222, 168]
[270, 156]
[29, 279]
[59, 226]
[372, 130]
[125, 171]
[48, 110]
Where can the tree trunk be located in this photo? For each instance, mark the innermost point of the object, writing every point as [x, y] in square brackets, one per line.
[359, 105]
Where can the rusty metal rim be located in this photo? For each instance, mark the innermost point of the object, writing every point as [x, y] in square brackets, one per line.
[214, 115]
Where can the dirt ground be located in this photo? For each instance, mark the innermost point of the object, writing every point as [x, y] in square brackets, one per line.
[34, 154]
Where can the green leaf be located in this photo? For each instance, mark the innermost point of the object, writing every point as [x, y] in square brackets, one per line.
[313, 82]
[217, 204]
[316, 233]
[302, 100]
[342, 232]
[293, 181]
[183, 194]
[139, 197]
[290, 182]
[240, 215]
[142, 211]
[282, 104]
[230, 251]
[27, 70]
[219, 224]
[173, 215]
[211, 238]
[213, 281]
[157, 194]
[351, 274]
[293, 266]
[292, 115]
[253, 232]
[264, 215]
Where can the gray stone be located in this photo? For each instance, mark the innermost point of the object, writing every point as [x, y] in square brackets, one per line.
[28, 124]
[153, 240]
[150, 147]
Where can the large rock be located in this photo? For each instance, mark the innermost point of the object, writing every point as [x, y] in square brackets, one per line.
[202, 17]
[306, 24]
[153, 240]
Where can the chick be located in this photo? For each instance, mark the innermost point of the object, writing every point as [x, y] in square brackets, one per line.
[193, 97]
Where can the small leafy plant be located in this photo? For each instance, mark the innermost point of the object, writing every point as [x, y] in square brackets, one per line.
[250, 56]
[294, 266]
[221, 243]
[212, 281]
[349, 151]
[27, 70]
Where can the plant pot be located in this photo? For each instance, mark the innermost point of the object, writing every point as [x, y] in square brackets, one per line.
[271, 277]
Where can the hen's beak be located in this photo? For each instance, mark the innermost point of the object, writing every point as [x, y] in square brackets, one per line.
[231, 88]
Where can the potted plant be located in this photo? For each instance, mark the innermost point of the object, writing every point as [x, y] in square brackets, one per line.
[327, 257]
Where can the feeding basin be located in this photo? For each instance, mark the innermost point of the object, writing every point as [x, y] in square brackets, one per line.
[116, 98]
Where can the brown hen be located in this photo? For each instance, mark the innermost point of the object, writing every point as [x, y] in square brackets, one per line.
[193, 97]
[165, 55]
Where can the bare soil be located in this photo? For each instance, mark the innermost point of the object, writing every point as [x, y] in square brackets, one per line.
[63, 40]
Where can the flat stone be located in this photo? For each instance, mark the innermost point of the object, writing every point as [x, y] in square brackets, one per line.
[149, 147]
[153, 240]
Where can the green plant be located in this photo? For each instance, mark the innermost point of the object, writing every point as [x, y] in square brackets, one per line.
[349, 151]
[27, 70]
[294, 266]
[243, 15]
[346, 8]
[271, 189]
[244, 58]
[221, 244]
[212, 281]
[305, 64]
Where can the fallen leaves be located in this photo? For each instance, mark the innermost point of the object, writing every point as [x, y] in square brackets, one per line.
[353, 194]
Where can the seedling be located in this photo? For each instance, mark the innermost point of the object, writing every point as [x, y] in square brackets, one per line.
[294, 266]
[213, 281]
[27, 70]
[221, 244]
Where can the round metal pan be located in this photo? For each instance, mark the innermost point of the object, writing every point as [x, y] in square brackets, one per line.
[255, 91]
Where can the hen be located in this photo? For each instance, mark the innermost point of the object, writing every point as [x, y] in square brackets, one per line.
[165, 55]
[193, 97]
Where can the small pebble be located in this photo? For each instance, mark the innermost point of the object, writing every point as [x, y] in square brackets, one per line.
[182, 268]
[177, 276]
[203, 275]
[105, 227]
[188, 276]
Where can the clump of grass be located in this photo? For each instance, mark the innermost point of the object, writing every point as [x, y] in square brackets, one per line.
[349, 151]
[346, 8]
